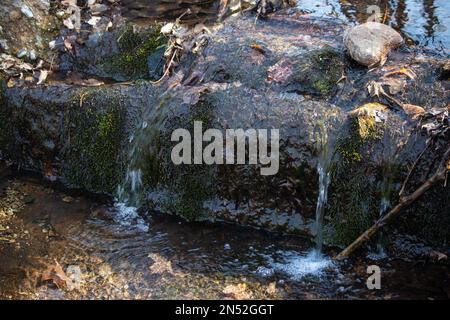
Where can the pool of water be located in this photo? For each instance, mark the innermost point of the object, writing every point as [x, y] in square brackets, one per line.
[162, 257]
[426, 22]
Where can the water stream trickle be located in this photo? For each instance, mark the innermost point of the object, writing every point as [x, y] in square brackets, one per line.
[143, 143]
[324, 182]
[323, 170]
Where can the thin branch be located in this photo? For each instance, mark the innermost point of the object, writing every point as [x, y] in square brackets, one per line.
[404, 203]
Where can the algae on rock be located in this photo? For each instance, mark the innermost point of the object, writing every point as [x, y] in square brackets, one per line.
[96, 136]
[135, 49]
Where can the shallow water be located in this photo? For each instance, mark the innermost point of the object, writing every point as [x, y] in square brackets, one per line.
[426, 22]
[172, 259]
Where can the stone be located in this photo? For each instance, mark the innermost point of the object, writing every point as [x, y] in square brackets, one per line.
[27, 11]
[22, 53]
[371, 42]
[445, 71]
[4, 45]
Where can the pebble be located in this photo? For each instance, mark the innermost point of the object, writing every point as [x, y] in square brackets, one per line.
[227, 246]
[4, 44]
[370, 43]
[22, 53]
[27, 11]
[33, 55]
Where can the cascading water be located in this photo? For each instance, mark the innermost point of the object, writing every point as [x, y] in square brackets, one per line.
[324, 182]
[385, 204]
[323, 170]
[143, 144]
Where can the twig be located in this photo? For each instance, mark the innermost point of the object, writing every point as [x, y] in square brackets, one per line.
[402, 190]
[405, 202]
[167, 69]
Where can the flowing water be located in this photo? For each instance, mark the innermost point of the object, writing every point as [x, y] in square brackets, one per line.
[174, 259]
[143, 145]
[426, 22]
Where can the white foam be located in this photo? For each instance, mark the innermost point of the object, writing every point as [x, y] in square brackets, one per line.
[297, 266]
[128, 216]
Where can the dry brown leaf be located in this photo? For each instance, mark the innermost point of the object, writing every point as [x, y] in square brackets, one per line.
[257, 47]
[42, 76]
[68, 45]
[402, 71]
[56, 275]
[413, 111]
[438, 256]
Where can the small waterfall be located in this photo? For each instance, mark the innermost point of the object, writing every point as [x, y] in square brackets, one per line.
[385, 205]
[324, 182]
[143, 143]
[324, 147]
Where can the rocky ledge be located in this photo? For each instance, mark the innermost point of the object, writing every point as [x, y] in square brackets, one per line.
[286, 72]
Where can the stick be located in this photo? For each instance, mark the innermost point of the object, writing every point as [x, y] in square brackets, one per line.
[404, 203]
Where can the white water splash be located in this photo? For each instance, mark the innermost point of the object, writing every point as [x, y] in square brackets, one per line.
[128, 216]
[297, 266]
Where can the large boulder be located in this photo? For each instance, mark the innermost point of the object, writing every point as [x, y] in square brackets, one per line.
[371, 42]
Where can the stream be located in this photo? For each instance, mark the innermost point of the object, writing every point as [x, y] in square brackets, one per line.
[106, 248]
[173, 259]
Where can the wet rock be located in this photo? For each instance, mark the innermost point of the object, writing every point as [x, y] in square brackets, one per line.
[367, 117]
[4, 45]
[316, 73]
[371, 42]
[223, 87]
[445, 71]
[155, 63]
[22, 53]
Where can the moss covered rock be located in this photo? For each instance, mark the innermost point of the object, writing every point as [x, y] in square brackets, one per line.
[135, 49]
[316, 72]
[93, 157]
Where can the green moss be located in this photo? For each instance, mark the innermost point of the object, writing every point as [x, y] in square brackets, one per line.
[189, 185]
[355, 200]
[135, 48]
[93, 161]
[317, 72]
[331, 69]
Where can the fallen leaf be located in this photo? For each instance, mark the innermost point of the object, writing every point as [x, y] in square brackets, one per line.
[68, 199]
[395, 85]
[375, 89]
[402, 71]
[257, 47]
[10, 83]
[42, 76]
[238, 292]
[56, 275]
[438, 256]
[413, 111]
